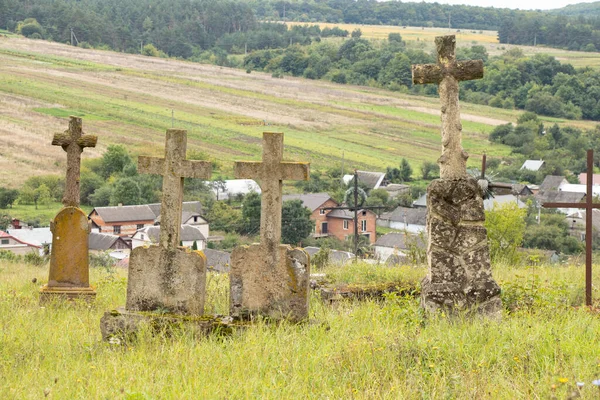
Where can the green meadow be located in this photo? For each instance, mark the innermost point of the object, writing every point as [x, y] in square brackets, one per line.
[387, 349]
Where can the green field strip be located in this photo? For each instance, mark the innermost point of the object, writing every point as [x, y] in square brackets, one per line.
[58, 61]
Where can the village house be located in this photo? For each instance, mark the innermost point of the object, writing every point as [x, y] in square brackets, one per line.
[370, 180]
[554, 190]
[396, 245]
[408, 219]
[19, 247]
[188, 235]
[127, 220]
[337, 223]
[533, 165]
[40, 237]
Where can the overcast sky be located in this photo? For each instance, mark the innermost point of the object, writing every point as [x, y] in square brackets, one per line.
[521, 4]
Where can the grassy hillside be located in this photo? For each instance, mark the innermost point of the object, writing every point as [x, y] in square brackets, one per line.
[132, 100]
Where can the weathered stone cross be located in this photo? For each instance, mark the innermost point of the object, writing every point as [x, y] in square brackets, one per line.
[447, 73]
[168, 277]
[270, 173]
[174, 168]
[270, 279]
[73, 141]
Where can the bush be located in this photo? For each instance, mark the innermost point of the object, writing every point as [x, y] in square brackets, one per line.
[33, 258]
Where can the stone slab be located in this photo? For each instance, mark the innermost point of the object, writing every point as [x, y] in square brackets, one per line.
[170, 281]
[121, 326]
[259, 287]
[69, 261]
[459, 277]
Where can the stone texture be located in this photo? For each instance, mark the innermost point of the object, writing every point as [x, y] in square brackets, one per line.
[121, 326]
[73, 142]
[69, 268]
[459, 275]
[170, 281]
[270, 279]
[279, 291]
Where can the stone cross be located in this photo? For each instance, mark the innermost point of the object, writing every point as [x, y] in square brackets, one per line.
[270, 279]
[73, 141]
[174, 168]
[270, 173]
[168, 277]
[447, 73]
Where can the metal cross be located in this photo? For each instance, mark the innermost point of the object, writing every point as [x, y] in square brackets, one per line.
[589, 206]
[174, 167]
[447, 73]
[73, 141]
[270, 173]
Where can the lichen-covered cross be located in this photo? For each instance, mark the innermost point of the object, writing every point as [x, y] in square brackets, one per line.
[270, 174]
[73, 141]
[447, 73]
[174, 168]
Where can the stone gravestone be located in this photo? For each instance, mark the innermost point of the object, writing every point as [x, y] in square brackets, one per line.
[164, 278]
[69, 261]
[270, 279]
[459, 275]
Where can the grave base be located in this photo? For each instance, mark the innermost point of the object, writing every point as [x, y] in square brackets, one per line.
[121, 325]
[49, 294]
[333, 294]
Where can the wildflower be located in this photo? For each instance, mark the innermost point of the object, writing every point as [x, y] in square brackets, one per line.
[596, 382]
[563, 380]
[431, 365]
[114, 340]
[46, 392]
[580, 384]
[516, 358]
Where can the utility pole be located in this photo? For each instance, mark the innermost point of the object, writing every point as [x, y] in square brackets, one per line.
[283, 12]
[74, 38]
[342, 180]
[142, 46]
[534, 39]
[449, 21]
[172, 118]
[246, 49]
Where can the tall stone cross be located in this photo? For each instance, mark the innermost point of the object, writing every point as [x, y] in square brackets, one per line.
[68, 276]
[459, 275]
[270, 173]
[447, 73]
[73, 141]
[168, 277]
[270, 279]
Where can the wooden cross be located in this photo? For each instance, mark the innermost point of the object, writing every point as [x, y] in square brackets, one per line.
[73, 142]
[447, 73]
[174, 168]
[589, 207]
[270, 173]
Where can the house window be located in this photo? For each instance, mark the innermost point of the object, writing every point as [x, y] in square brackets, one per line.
[322, 211]
[140, 226]
[195, 219]
[116, 229]
[5, 241]
[364, 213]
[363, 225]
[345, 224]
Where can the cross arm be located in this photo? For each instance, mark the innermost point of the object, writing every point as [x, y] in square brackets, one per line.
[460, 70]
[569, 205]
[151, 165]
[295, 171]
[247, 170]
[194, 169]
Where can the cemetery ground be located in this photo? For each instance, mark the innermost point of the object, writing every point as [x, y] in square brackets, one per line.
[543, 346]
[128, 99]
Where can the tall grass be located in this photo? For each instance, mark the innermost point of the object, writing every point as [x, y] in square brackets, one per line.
[384, 349]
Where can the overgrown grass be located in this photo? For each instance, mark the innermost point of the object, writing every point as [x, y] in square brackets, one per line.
[44, 213]
[353, 350]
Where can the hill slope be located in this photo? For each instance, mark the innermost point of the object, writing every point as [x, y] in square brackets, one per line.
[129, 99]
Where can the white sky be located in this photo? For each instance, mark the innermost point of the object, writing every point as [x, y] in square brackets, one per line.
[520, 4]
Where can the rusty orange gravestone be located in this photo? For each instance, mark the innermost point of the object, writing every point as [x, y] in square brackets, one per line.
[69, 263]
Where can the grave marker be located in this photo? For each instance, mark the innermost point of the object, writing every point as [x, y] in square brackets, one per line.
[69, 261]
[459, 274]
[270, 279]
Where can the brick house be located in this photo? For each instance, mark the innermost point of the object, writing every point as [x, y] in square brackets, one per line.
[127, 220]
[337, 223]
